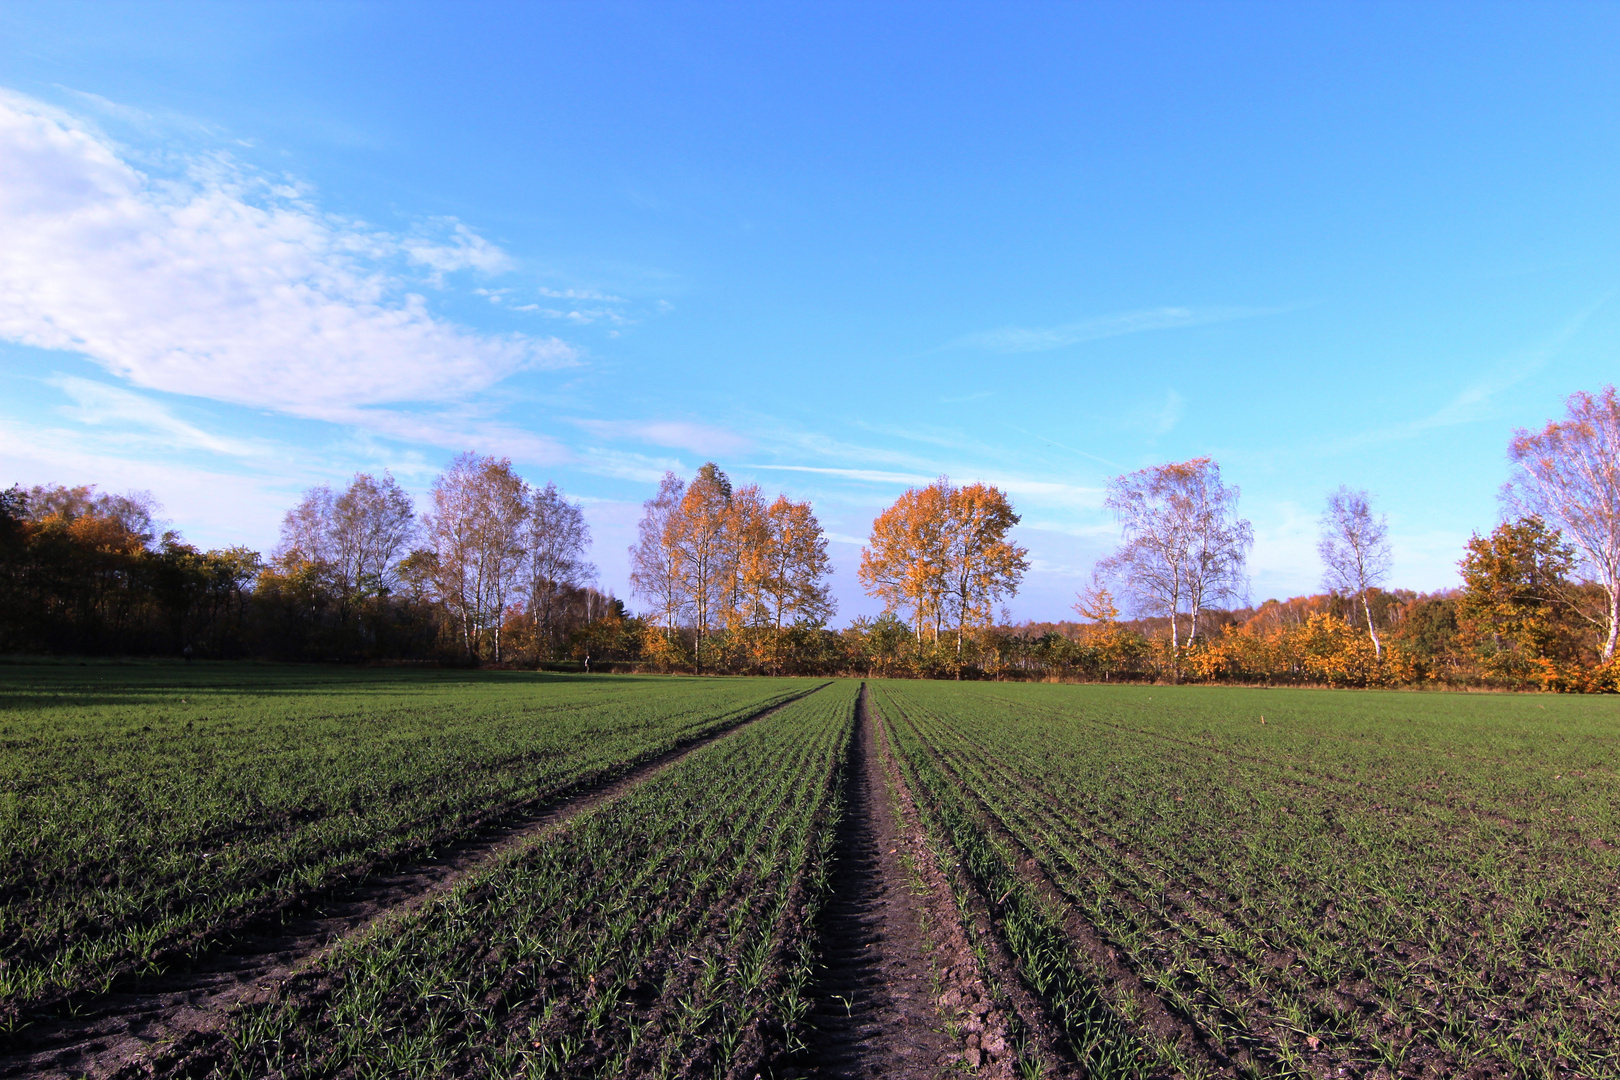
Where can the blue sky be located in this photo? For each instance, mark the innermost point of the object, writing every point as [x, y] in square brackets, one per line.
[839, 249]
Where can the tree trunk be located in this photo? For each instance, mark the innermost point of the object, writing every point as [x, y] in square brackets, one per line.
[1614, 623]
[961, 627]
[1366, 605]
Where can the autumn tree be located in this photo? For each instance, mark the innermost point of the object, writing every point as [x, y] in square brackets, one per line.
[1568, 474]
[795, 565]
[1110, 645]
[711, 557]
[354, 539]
[1184, 545]
[941, 553]
[86, 571]
[705, 552]
[981, 565]
[556, 537]
[1354, 547]
[1511, 609]
[747, 533]
[1095, 603]
[904, 561]
[476, 531]
[789, 566]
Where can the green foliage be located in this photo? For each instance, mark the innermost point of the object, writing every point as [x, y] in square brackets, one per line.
[1515, 611]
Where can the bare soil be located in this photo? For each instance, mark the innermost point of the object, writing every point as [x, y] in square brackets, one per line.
[114, 1034]
[899, 994]
[1002, 1028]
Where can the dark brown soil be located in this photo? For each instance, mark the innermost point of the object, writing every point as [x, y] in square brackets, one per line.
[1002, 1028]
[113, 1033]
[899, 994]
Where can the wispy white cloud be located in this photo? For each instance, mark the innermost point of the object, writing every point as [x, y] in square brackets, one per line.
[101, 405]
[223, 283]
[455, 247]
[1014, 339]
[1071, 449]
[212, 506]
[458, 430]
[623, 465]
[578, 316]
[1051, 493]
[1476, 401]
[580, 294]
[969, 463]
[867, 476]
[677, 434]
[1164, 420]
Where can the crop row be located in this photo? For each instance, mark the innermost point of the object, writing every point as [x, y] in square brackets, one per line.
[662, 933]
[140, 818]
[1301, 902]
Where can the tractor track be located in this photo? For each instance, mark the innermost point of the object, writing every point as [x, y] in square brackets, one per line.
[899, 993]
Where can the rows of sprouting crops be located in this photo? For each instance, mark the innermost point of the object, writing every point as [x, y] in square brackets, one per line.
[1373, 880]
[662, 933]
[141, 808]
[1098, 1034]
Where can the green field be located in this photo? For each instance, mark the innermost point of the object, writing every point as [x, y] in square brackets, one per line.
[1187, 880]
[145, 807]
[1424, 883]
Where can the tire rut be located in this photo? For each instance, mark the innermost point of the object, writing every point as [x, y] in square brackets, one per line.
[111, 1033]
[874, 1009]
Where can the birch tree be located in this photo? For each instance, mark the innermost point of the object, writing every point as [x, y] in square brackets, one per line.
[704, 552]
[747, 535]
[685, 558]
[1184, 547]
[790, 565]
[556, 537]
[354, 539]
[1354, 547]
[1568, 474]
[654, 562]
[711, 556]
[794, 565]
[476, 532]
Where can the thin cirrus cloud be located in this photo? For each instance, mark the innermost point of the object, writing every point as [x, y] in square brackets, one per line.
[1015, 339]
[98, 404]
[220, 282]
[674, 434]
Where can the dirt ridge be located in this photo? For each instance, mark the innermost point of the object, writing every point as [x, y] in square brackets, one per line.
[898, 994]
[985, 986]
[110, 1033]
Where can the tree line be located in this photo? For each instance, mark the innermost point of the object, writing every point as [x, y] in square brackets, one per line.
[493, 570]
[1539, 604]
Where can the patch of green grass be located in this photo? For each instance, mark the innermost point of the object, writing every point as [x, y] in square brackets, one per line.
[144, 806]
[664, 932]
[1366, 878]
